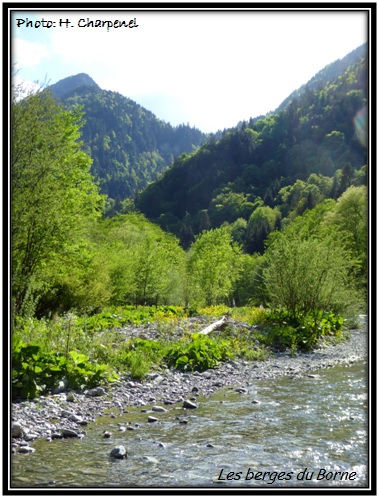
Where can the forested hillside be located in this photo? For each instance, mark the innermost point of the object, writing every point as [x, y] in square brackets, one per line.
[261, 176]
[274, 214]
[129, 145]
[326, 75]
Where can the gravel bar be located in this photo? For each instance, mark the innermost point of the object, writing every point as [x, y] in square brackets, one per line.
[66, 414]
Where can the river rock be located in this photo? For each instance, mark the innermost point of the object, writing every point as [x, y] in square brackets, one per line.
[71, 396]
[17, 429]
[30, 436]
[69, 433]
[159, 409]
[96, 391]
[206, 374]
[61, 386]
[151, 419]
[76, 418]
[66, 414]
[57, 435]
[158, 379]
[26, 449]
[119, 452]
[189, 404]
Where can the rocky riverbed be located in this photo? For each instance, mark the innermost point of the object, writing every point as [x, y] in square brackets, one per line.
[67, 413]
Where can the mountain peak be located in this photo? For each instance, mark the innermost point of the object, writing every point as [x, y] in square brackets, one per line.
[71, 84]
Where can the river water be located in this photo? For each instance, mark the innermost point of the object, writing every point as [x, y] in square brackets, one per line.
[280, 428]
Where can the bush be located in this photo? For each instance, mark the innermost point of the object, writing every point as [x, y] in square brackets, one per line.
[303, 331]
[200, 354]
[307, 275]
[35, 371]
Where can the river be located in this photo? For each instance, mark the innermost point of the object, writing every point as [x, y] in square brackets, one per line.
[262, 438]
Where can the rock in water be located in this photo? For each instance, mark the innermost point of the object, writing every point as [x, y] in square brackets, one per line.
[159, 409]
[119, 452]
[26, 449]
[188, 404]
[69, 433]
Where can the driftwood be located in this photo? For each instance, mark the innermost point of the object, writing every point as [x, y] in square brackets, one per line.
[215, 326]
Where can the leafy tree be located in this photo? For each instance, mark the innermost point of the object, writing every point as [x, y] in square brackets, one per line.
[145, 265]
[308, 274]
[262, 222]
[238, 231]
[229, 206]
[248, 288]
[54, 197]
[213, 267]
[349, 218]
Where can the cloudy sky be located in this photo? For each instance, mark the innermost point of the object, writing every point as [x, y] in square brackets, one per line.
[208, 69]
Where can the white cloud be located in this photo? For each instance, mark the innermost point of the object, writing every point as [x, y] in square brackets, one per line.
[216, 67]
[28, 54]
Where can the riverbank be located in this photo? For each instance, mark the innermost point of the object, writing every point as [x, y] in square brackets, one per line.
[67, 414]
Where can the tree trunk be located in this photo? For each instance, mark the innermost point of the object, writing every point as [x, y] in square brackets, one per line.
[215, 326]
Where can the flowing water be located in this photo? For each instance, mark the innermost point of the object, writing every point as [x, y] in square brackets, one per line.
[280, 428]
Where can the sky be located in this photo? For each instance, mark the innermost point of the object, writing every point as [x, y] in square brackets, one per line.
[208, 69]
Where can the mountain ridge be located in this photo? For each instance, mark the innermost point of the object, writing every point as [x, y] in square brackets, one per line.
[63, 87]
[129, 145]
[313, 144]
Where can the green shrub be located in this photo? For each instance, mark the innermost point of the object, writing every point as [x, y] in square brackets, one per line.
[200, 354]
[303, 331]
[35, 371]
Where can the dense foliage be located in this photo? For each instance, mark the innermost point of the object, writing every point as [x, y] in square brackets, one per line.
[269, 170]
[88, 350]
[129, 146]
[269, 223]
[54, 198]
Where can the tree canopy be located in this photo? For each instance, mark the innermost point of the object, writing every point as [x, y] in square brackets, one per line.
[54, 197]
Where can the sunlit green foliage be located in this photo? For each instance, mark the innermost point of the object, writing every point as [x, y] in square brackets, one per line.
[200, 353]
[212, 267]
[34, 371]
[350, 220]
[308, 151]
[273, 214]
[54, 198]
[309, 276]
[145, 264]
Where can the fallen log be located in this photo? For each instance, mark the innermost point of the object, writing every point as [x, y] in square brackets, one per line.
[215, 326]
